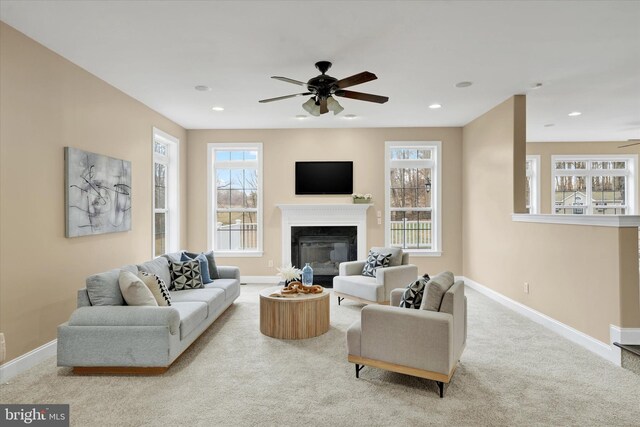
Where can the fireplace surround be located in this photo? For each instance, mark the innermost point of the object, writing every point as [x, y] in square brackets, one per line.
[332, 220]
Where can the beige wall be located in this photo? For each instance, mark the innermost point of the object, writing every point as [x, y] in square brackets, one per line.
[585, 277]
[546, 149]
[282, 147]
[47, 103]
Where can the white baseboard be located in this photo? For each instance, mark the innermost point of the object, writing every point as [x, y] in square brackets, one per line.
[606, 351]
[260, 279]
[27, 361]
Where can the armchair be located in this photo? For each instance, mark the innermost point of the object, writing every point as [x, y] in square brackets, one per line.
[421, 343]
[350, 283]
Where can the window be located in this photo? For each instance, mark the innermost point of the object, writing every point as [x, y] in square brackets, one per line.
[594, 185]
[166, 224]
[235, 189]
[412, 206]
[533, 184]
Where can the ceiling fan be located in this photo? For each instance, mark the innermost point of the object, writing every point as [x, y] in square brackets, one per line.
[632, 142]
[324, 87]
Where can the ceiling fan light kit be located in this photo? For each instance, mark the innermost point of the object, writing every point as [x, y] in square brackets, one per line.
[324, 88]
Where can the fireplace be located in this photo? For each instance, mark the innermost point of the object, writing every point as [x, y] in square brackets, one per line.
[324, 248]
[330, 242]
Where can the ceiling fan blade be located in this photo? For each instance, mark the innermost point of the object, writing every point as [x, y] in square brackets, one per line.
[288, 80]
[323, 106]
[356, 79]
[284, 97]
[361, 96]
[629, 145]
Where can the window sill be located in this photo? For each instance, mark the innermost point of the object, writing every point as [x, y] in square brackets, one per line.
[592, 220]
[238, 254]
[419, 253]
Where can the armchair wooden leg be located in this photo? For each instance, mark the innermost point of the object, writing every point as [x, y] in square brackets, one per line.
[339, 300]
[358, 369]
[441, 388]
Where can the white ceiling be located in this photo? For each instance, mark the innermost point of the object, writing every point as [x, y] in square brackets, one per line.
[586, 54]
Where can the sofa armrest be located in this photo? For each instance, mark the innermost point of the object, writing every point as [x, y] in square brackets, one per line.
[228, 272]
[416, 338]
[126, 316]
[396, 296]
[396, 277]
[351, 268]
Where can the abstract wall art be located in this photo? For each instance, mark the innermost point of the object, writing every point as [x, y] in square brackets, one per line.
[97, 193]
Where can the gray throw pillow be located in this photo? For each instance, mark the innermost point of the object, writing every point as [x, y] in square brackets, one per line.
[104, 288]
[435, 290]
[213, 269]
[158, 266]
[395, 258]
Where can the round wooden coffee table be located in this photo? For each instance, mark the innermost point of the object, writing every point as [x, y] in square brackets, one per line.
[293, 318]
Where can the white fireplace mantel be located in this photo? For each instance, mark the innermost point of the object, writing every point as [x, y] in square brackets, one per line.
[310, 215]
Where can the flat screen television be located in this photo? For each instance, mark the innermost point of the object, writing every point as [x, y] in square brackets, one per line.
[324, 178]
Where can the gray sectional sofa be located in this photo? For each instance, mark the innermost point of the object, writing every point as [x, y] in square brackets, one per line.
[104, 335]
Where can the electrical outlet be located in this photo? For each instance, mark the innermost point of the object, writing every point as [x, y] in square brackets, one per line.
[270, 263]
[526, 287]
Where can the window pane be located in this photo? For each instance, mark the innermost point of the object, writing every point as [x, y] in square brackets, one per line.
[609, 165]
[250, 231]
[160, 186]
[222, 156]
[411, 229]
[160, 148]
[571, 191]
[410, 153]
[608, 192]
[160, 233]
[250, 179]
[409, 187]
[251, 199]
[237, 179]
[565, 165]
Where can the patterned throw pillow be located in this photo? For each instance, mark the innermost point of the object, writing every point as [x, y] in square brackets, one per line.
[204, 264]
[157, 287]
[374, 262]
[185, 275]
[412, 296]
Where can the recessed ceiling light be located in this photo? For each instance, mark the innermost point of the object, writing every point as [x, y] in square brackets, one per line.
[463, 84]
[217, 108]
[435, 106]
[350, 116]
[548, 125]
[301, 117]
[203, 88]
[574, 113]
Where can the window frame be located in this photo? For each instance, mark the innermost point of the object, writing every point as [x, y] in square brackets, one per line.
[534, 185]
[212, 147]
[172, 189]
[436, 193]
[631, 172]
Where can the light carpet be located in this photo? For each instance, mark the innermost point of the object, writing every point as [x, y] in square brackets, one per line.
[513, 372]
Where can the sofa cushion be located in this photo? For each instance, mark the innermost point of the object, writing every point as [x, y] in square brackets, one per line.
[134, 291]
[104, 289]
[363, 287]
[192, 314]
[435, 290]
[375, 261]
[229, 286]
[158, 266]
[413, 294]
[214, 298]
[157, 287]
[213, 269]
[204, 264]
[173, 256]
[396, 254]
[185, 275]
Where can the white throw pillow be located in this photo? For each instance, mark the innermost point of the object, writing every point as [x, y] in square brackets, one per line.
[134, 291]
